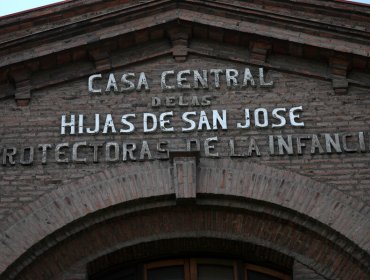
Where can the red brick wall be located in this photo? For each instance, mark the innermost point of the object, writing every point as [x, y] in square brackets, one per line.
[318, 190]
[322, 113]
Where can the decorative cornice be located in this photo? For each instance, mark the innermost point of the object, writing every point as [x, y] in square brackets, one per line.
[249, 18]
[259, 51]
[101, 59]
[179, 36]
[251, 25]
[22, 82]
[339, 66]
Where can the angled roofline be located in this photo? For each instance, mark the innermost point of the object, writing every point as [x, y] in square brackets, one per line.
[49, 9]
[46, 34]
[308, 25]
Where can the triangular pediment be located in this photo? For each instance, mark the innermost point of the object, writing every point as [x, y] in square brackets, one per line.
[328, 41]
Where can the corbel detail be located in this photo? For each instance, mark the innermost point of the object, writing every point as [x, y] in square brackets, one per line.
[22, 83]
[259, 51]
[101, 59]
[179, 37]
[185, 175]
[339, 66]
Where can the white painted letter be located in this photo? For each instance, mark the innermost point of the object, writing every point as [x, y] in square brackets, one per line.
[153, 118]
[163, 122]
[217, 119]
[111, 83]
[91, 81]
[293, 117]
[109, 124]
[275, 114]
[257, 121]
[142, 82]
[163, 79]
[191, 122]
[124, 121]
[71, 124]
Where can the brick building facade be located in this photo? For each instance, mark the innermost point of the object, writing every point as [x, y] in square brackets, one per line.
[142, 134]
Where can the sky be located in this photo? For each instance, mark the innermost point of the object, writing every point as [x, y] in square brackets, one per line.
[13, 6]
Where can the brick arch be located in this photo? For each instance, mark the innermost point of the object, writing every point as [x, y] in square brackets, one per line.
[194, 222]
[306, 200]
